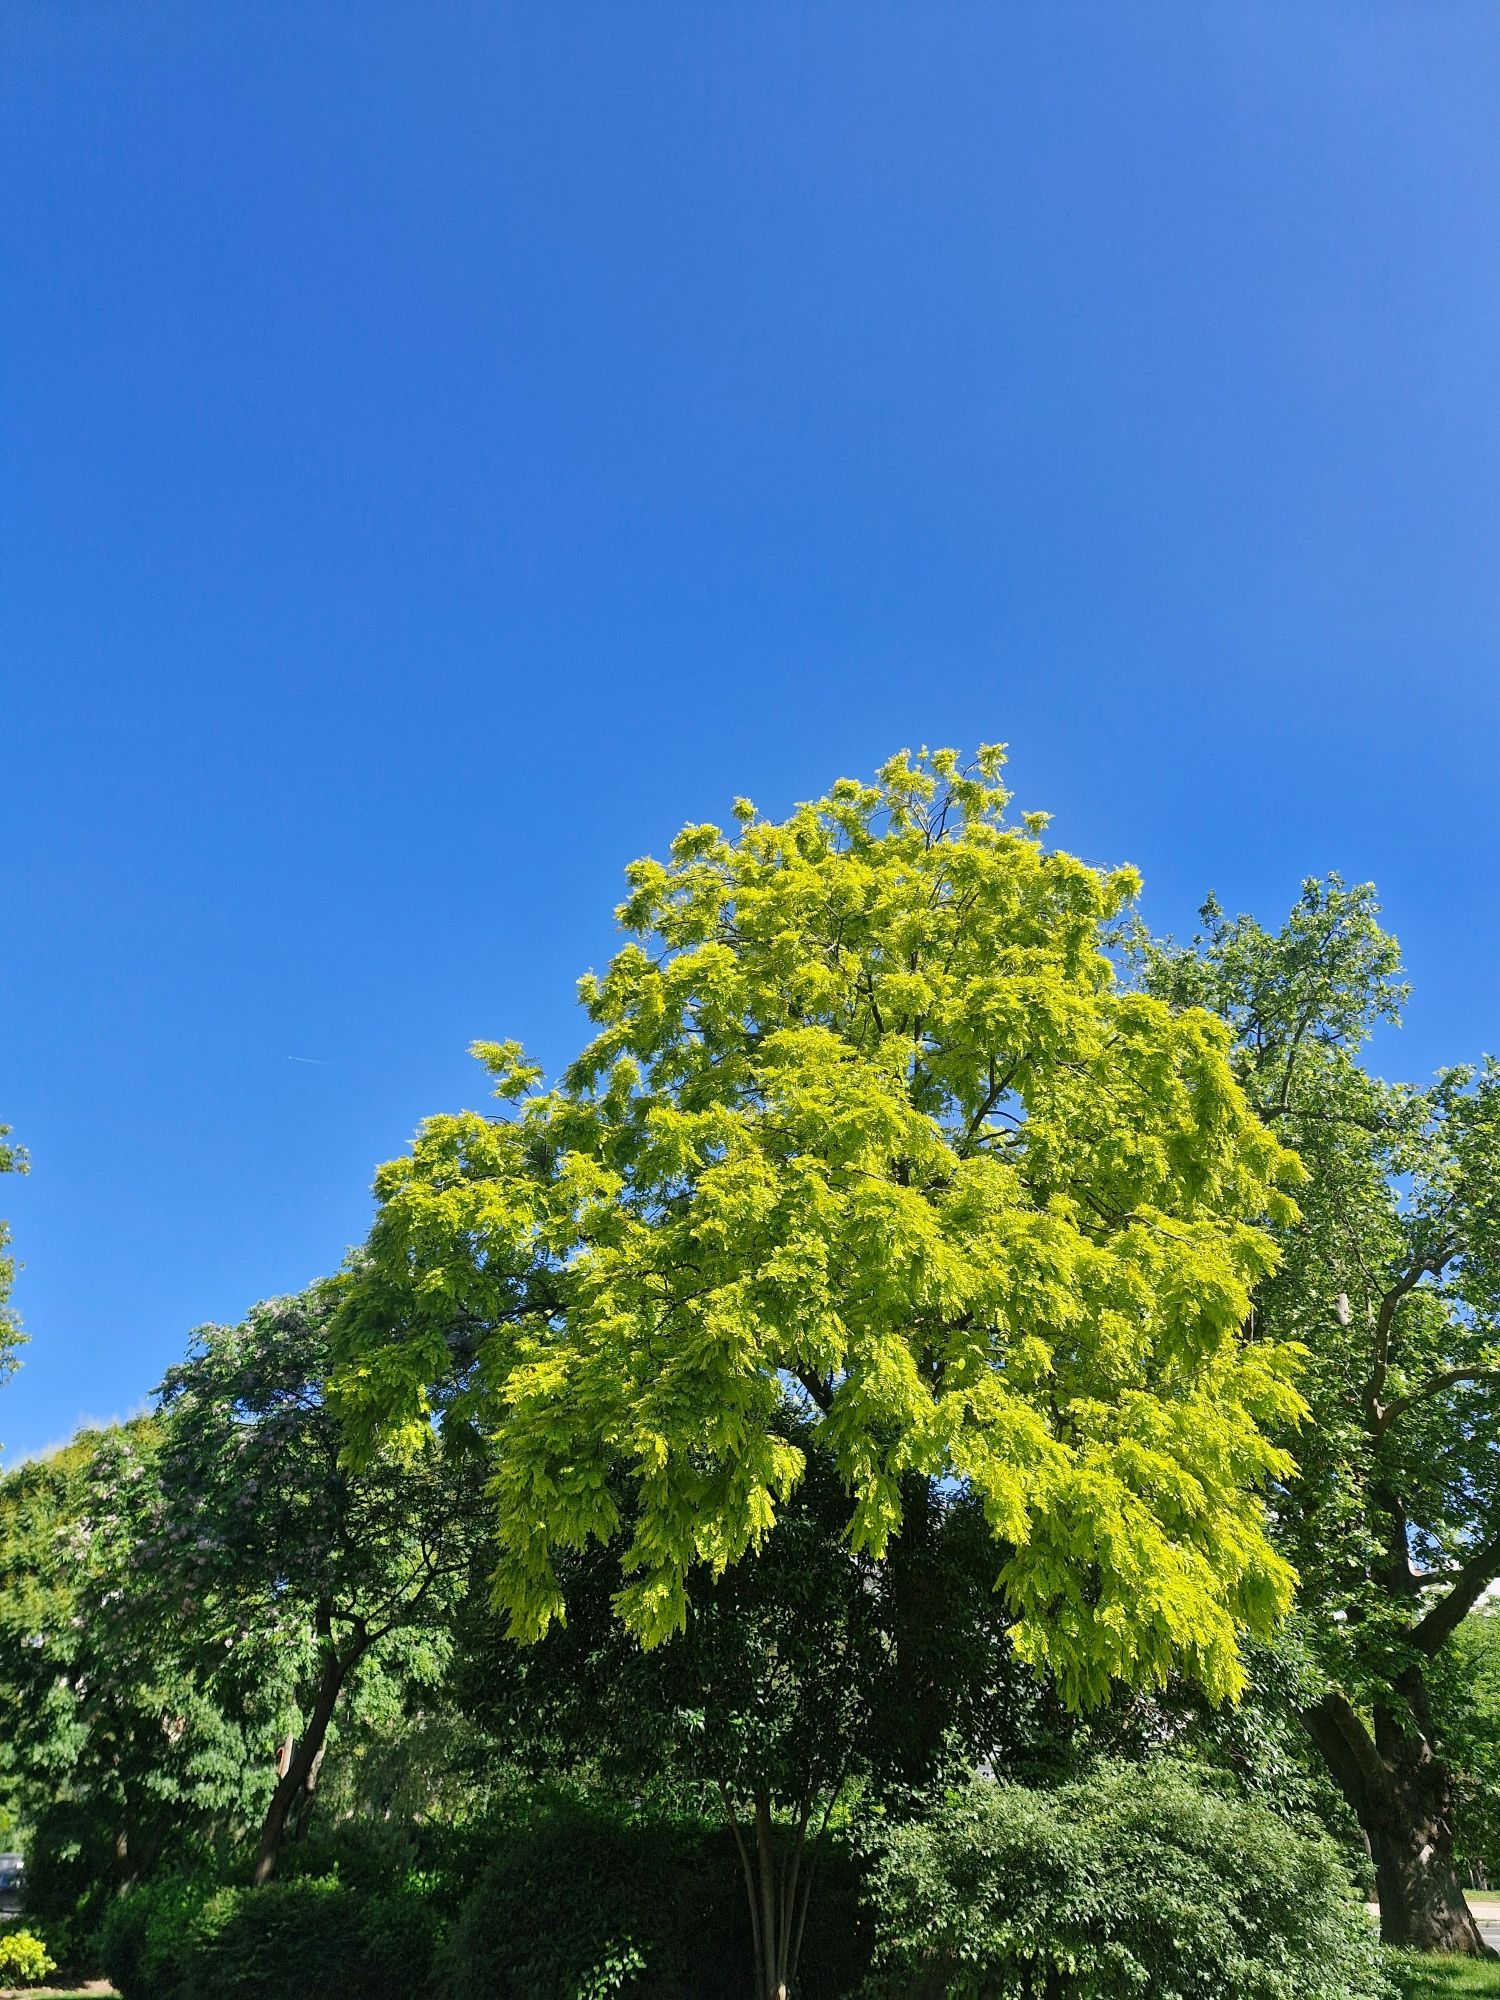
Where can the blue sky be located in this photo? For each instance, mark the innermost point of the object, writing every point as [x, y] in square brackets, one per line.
[447, 447]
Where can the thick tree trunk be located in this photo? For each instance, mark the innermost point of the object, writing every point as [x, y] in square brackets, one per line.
[304, 1761]
[1401, 1794]
[1422, 1902]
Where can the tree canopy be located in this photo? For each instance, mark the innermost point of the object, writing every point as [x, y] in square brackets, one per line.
[275, 1535]
[1390, 1278]
[126, 1727]
[867, 1118]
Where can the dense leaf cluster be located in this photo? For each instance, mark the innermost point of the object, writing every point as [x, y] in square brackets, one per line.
[1133, 1881]
[865, 1117]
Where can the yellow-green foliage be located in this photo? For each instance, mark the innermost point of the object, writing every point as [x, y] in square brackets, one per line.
[865, 1119]
[24, 1960]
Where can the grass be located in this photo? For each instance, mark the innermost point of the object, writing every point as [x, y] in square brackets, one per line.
[1448, 1978]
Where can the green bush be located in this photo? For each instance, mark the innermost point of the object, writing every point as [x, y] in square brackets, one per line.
[70, 1871]
[564, 1900]
[181, 1940]
[284, 1940]
[24, 1960]
[149, 1936]
[1135, 1880]
[570, 1893]
[579, 1901]
[400, 1935]
[364, 1856]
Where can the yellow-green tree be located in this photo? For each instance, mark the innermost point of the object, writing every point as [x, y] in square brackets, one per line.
[865, 1119]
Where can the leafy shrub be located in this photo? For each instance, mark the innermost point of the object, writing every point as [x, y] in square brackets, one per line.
[122, 1944]
[365, 1856]
[69, 1876]
[1134, 1880]
[149, 1936]
[286, 1939]
[24, 1960]
[400, 1934]
[573, 1899]
[72, 1873]
[181, 1940]
[566, 1900]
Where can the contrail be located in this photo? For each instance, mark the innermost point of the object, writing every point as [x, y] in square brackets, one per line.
[322, 1062]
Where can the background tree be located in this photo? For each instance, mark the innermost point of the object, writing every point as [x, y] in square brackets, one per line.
[865, 1117]
[767, 1704]
[126, 1728]
[274, 1534]
[1391, 1279]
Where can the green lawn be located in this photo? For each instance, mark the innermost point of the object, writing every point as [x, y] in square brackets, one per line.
[1440, 1978]
[95, 1992]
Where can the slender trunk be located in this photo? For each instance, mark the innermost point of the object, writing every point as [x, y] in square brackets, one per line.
[1401, 1793]
[772, 1985]
[307, 1754]
[778, 1888]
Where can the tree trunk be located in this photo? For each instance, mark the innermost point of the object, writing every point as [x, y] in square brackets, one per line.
[1401, 1794]
[773, 1984]
[778, 1888]
[1422, 1902]
[309, 1795]
[305, 1758]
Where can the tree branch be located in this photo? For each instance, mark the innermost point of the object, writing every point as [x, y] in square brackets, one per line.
[734, 1826]
[817, 1388]
[1434, 1386]
[1385, 1319]
[1468, 1586]
[1335, 1727]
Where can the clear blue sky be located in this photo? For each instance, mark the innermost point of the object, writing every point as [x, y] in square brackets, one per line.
[447, 446]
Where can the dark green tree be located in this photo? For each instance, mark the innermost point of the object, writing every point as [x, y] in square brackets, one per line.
[1391, 1281]
[274, 1534]
[126, 1726]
